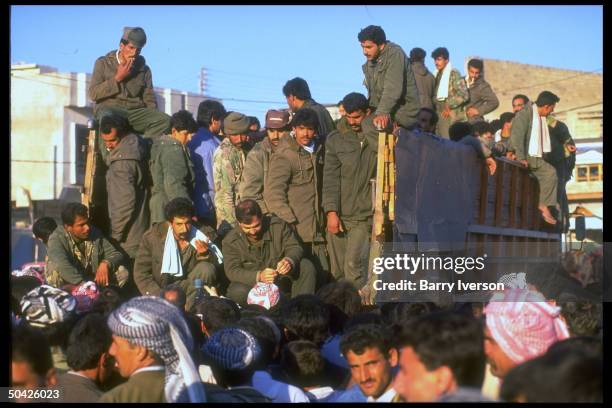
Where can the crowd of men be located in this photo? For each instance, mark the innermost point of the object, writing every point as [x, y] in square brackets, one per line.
[232, 266]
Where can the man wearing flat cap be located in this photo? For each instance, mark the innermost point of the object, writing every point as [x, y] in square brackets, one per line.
[256, 165]
[122, 83]
[228, 163]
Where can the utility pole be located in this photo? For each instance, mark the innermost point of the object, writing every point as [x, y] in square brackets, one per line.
[203, 80]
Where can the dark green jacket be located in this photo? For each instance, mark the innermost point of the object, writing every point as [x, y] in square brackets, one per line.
[559, 137]
[293, 189]
[391, 85]
[520, 133]
[326, 123]
[146, 386]
[136, 91]
[127, 182]
[172, 174]
[63, 260]
[147, 267]
[255, 173]
[243, 260]
[482, 98]
[350, 163]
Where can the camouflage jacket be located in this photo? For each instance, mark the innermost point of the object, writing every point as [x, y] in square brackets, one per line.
[458, 95]
[228, 163]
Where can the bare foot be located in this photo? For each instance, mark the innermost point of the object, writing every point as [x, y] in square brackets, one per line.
[547, 215]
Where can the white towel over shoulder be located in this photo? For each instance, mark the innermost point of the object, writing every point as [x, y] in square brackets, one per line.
[171, 261]
[443, 87]
[539, 140]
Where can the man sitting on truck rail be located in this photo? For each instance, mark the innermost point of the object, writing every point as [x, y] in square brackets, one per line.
[122, 83]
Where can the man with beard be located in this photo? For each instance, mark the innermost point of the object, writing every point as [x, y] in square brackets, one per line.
[482, 97]
[350, 163]
[264, 249]
[256, 166]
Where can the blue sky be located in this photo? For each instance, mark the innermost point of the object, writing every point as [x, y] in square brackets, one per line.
[251, 51]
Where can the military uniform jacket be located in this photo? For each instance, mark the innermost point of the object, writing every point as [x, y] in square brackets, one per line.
[69, 262]
[243, 260]
[127, 182]
[458, 95]
[350, 163]
[147, 267]
[391, 85]
[172, 174]
[228, 163]
[293, 189]
[255, 173]
[136, 91]
[482, 98]
[520, 133]
[146, 386]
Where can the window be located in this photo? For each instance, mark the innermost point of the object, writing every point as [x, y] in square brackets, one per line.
[589, 172]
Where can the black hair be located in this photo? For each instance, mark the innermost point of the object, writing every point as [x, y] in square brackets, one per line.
[216, 313]
[20, 286]
[402, 313]
[547, 98]
[434, 115]
[418, 54]
[459, 130]
[114, 121]
[364, 336]
[246, 210]
[481, 127]
[343, 300]
[303, 364]
[496, 124]
[181, 296]
[183, 120]
[305, 117]
[520, 96]
[43, 227]
[179, 207]
[582, 318]
[253, 310]
[558, 376]
[124, 41]
[585, 344]
[88, 340]
[264, 334]
[440, 52]
[305, 317]
[476, 63]
[208, 111]
[506, 117]
[71, 211]
[297, 87]
[108, 300]
[355, 102]
[451, 339]
[364, 318]
[372, 33]
[339, 103]
[30, 346]
[254, 121]
[232, 378]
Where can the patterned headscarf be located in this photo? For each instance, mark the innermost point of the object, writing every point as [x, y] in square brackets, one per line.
[524, 324]
[156, 324]
[45, 305]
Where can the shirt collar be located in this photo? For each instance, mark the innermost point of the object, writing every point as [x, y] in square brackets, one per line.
[117, 56]
[149, 368]
[386, 397]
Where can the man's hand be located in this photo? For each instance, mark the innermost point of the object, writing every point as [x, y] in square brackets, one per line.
[446, 112]
[524, 163]
[123, 70]
[511, 156]
[267, 275]
[334, 224]
[102, 274]
[492, 165]
[201, 247]
[472, 111]
[571, 147]
[381, 121]
[284, 266]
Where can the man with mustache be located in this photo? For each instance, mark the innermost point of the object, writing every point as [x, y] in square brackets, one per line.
[257, 163]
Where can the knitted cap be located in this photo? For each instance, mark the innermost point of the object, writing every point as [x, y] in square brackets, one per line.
[524, 324]
[264, 294]
[232, 349]
[46, 305]
[135, 35]
[236, 124]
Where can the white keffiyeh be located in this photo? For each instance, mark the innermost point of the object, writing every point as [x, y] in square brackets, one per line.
[171, 261]
[539, 140]
[444, 81]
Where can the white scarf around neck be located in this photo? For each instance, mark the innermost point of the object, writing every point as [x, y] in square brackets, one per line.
[444, 81]
[539, 140]
[171, 261]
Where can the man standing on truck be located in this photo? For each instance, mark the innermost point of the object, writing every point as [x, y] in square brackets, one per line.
[298, 96]
[482, 98]
[531, 142]
[122, 83]
[350, 163]
[392, 90]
